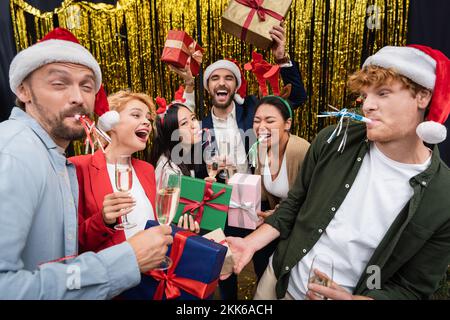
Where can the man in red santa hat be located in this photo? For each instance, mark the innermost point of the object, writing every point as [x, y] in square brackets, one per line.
[380, 209]
[55, 80]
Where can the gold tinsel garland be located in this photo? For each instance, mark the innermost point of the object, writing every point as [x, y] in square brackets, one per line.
[329, 38]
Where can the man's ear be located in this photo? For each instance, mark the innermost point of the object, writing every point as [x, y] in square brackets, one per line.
[423, 98]
[23, 93]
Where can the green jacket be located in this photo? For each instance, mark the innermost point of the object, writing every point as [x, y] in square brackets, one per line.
[415, 252]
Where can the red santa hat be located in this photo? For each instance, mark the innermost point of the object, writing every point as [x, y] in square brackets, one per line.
[231, 66]
[59, 45]
[429, 68]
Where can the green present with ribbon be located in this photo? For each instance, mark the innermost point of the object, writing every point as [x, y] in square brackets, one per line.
[207, 202]
[251, 20]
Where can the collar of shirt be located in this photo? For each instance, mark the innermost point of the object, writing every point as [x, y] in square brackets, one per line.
[232, 114]
[22, 116]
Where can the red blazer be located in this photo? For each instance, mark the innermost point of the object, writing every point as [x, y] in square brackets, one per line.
[94, 184]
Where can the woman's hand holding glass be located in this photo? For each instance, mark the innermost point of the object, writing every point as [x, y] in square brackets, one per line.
[116, 205]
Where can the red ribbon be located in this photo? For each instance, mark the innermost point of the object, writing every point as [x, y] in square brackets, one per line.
[256, 6]
[58, 260]
[170, 284]
[87, 125]
[264, 71]
[208, 195]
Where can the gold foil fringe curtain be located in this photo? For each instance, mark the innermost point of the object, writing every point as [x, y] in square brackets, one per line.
[329, 38]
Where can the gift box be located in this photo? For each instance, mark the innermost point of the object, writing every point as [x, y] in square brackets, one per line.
[251, 20]
[219, 237]
[194, 274]
[180, 48]
[245, 201]
[207, 202]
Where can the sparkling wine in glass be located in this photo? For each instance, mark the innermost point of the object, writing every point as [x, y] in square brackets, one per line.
[167, 198]
[224, 155]
[212, 161]
[321, 271]
[231, 170]
[124, 182]
[232, 159]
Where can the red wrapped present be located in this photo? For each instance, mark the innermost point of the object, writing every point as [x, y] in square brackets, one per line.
[180, 48]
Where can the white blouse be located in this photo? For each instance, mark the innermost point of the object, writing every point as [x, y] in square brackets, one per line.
[143, 210]
[280, 186]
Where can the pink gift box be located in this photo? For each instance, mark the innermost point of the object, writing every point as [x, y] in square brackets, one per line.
[245, 201]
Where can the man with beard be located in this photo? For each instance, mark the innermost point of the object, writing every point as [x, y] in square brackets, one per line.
[231, 119]
[54, 80]
[231, 115]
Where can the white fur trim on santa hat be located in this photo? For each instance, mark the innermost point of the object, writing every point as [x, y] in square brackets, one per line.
[222, 64]
[50, 51]
[431, 132]
[108, 120]
[409, 62]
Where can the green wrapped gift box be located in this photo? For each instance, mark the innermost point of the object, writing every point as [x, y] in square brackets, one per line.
[207, 202]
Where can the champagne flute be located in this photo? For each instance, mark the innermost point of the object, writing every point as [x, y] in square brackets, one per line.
[124, 182]
[321, 271]
[224, 154]
[167, 198]
[212, 161]
[232, 159]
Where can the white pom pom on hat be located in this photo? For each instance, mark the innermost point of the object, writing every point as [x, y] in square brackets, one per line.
[429, 68]
[108, 120]
[431, 132]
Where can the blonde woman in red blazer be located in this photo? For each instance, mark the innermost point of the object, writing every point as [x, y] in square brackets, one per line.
[99, 207]
[94, 185]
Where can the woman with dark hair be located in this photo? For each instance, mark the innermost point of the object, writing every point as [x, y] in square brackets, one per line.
[177, 135]
[280, 158]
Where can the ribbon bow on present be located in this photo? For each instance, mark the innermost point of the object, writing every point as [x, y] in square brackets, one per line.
[199, 206]
[247, 206]
[343, 114]
[170, 284]
[256, 7]
[194, 53]
[263, 72]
